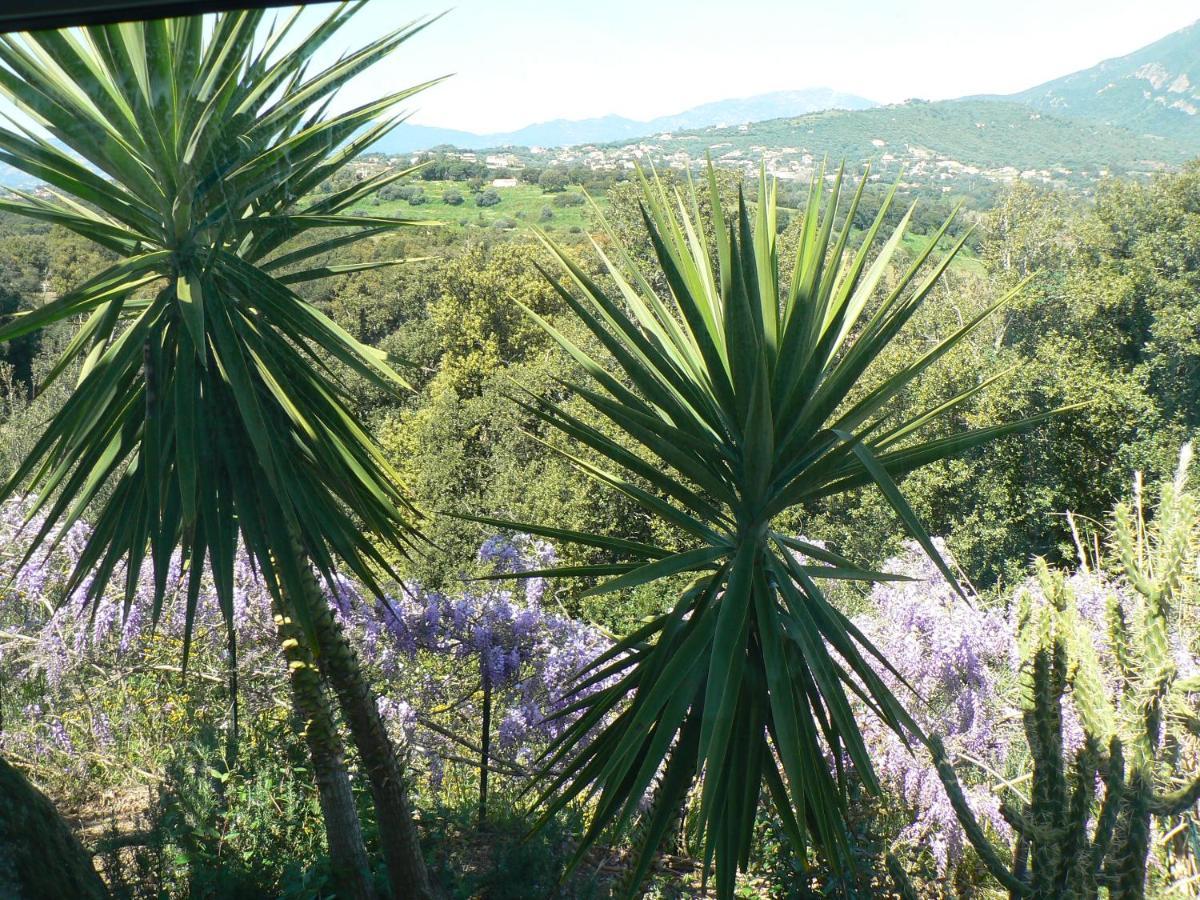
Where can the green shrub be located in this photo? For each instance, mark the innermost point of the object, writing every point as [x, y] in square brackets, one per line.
[499, 862]
[221, 829]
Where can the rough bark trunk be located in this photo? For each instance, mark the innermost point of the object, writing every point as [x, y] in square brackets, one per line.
[398, 835]
[40, 858]
[343, 832]
[485, 744]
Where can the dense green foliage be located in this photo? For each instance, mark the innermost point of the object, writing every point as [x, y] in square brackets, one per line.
[1109, 319]
[501, 422]
[984, 134]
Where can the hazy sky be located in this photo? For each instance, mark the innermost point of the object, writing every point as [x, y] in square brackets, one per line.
[523, 61]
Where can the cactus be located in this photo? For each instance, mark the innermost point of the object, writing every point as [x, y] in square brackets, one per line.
[1091, 811]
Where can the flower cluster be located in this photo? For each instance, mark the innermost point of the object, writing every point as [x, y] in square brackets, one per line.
[948, 650]
[486, 633]
[430, 650]
[958, 656]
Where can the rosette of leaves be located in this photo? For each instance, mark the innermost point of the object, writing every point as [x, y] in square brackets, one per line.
[210, 398]
[212, 404]
[741, 385]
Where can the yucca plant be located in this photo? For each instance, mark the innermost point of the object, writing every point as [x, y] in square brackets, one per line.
[211, 403]
[740, 387]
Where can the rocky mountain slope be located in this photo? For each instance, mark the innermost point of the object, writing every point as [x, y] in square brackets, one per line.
[1152, 91]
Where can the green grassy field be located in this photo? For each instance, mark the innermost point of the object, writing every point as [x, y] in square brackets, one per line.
[966, 261]
[519, 206]
[522, 205]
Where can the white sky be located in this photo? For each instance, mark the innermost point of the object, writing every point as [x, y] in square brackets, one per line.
[524, 61]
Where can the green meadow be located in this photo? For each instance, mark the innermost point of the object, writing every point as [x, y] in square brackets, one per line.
[524, 204]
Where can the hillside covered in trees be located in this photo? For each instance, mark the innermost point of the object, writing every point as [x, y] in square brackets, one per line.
[451, 527]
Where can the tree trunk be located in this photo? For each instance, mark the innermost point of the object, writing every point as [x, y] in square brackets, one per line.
[40, 858]
[485, 743]
[397, 826]
[343, 832]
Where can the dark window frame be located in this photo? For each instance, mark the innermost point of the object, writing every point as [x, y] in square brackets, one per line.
[33, 15]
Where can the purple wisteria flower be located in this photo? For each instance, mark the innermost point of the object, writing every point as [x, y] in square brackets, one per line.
[59, 737]
[501, 553]
[102, 730]
[528, 657]
[947, 649]
[427, 650]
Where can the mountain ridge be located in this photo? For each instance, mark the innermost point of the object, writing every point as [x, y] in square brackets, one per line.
[1155, 90]
[605, 129]
[933, 143]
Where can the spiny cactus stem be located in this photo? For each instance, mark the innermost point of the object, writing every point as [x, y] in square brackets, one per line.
[1129, 854]
[1015, 817]
[1073, 873]
[1113, 773]
[1176, 802]
[1119, 639]
[958, 801]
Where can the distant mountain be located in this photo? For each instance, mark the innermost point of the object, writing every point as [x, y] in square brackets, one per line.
[605, 129]
[405, 138]
[931, 142]
[1154, 91]
[15, 178]
[1128, 103]
[568, 132]
[774, 105]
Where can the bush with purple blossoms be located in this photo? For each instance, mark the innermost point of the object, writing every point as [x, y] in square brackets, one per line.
[1105, 769]
[427, 651]
[950, 651]
[438, 648]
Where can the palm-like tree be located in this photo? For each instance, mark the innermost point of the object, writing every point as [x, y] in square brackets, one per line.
[742, 393]
[211, 405]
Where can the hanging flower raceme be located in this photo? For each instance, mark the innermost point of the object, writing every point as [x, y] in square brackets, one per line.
[528, 654]
[947, 650]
